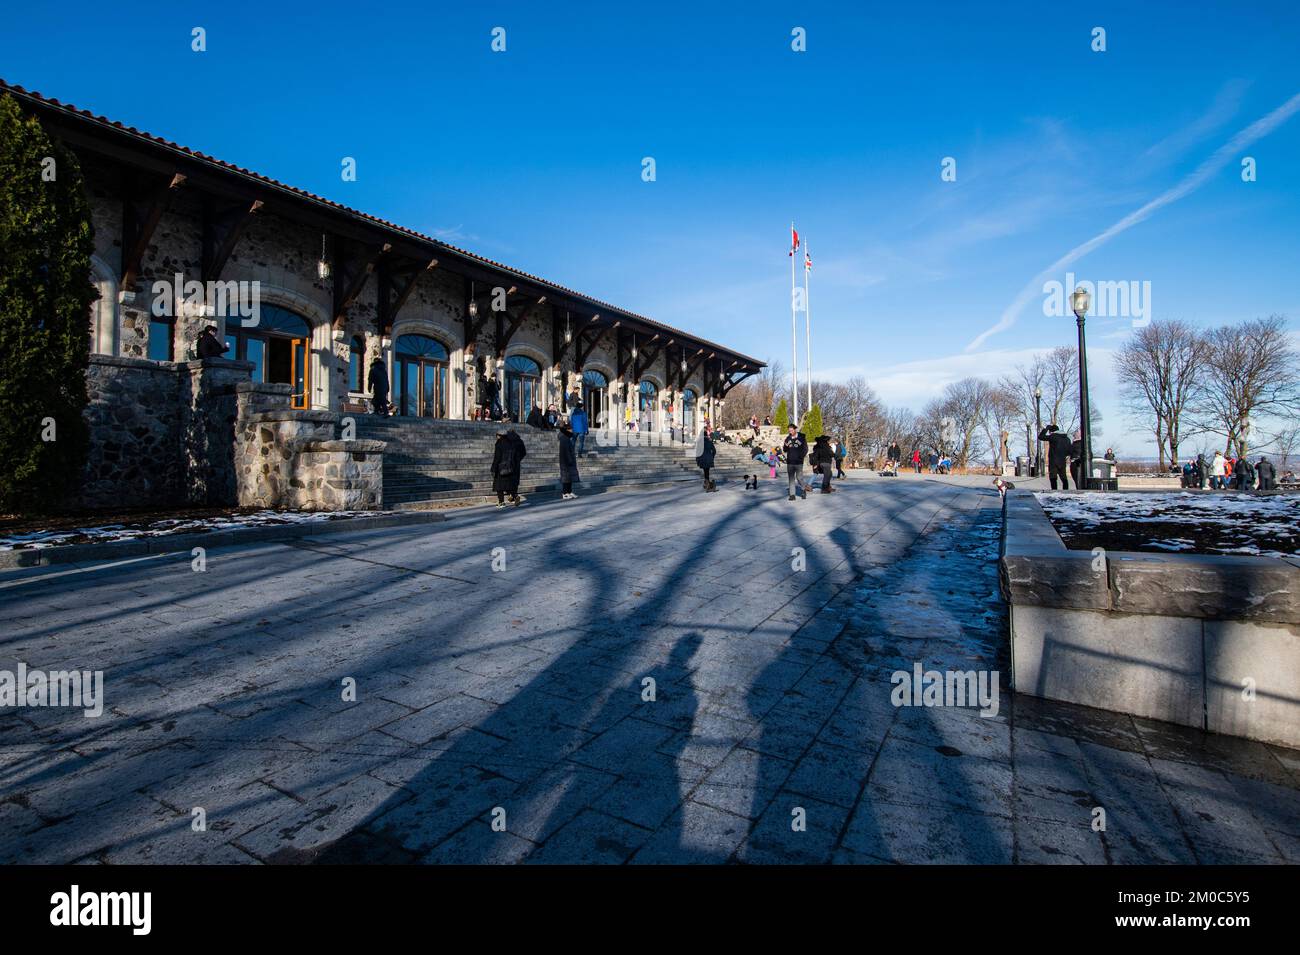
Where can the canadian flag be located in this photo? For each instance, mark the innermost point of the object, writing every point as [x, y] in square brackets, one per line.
[794, 240]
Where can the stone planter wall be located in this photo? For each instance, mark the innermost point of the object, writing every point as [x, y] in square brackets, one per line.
[293, 459]
[1205, 641]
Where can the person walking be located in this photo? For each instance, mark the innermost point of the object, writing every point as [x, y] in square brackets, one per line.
[1218, 470]
[580, 426]
[895, 457]
[568, 464]
[379, 386]
[1058, 453]
[916, 460]
[796, 449]
[841, 452]
[1267, 474]
[823, 459]
[1202, 471]
[507, 463]
[704, 454]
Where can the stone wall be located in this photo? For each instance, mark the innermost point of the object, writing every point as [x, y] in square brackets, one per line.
[135, 421]
[161, 433]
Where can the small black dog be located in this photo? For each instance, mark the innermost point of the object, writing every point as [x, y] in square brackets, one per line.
[751, 482]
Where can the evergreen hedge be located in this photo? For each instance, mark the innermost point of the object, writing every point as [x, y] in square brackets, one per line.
[46, 242]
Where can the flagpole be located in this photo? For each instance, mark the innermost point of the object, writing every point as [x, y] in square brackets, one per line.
[807, 314]
[794, 331]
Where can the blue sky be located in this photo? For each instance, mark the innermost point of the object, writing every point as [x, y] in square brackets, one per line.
[533, 156]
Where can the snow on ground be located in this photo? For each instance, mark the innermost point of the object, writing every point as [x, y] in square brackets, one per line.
[160, 528]
[1224, 516]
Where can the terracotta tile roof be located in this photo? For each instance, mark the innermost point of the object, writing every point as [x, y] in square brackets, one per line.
[604, 308]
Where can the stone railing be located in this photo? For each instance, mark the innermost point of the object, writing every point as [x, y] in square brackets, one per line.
[1205, 641]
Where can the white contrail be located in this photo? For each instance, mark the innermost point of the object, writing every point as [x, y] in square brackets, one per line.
[1190, 183]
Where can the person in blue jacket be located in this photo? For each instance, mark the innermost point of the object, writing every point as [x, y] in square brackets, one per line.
[578, 424]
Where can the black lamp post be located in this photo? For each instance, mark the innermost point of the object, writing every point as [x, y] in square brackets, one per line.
[1079, 302]
[1038, 424]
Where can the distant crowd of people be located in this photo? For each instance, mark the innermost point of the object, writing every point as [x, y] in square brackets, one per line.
[1221, 472]
[921, 461]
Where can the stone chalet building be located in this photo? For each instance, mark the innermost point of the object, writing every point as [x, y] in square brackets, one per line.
[275, 421]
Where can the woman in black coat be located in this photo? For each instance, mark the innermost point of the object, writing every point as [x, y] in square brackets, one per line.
[824, 459]
[507, 463]
[568, 463]
[704, 454]
[378, 380]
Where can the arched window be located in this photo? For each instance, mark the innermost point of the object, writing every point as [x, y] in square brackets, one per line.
[421, 377]
[278, 346]
[356, 365]
[646, 405]
[595, 390]
[523, 386]
[688, 411]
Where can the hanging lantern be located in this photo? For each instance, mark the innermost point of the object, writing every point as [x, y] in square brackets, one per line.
[473, 305]
[568, 335]
[634, 347]
[323, 264]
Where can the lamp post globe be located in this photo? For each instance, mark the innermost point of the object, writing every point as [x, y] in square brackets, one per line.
[1080, 299]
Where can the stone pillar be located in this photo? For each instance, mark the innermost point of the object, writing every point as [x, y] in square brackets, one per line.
[208, 429]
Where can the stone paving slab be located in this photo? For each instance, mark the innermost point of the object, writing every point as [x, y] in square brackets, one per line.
[504, 716]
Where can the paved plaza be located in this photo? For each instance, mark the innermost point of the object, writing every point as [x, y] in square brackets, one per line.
[501, 663]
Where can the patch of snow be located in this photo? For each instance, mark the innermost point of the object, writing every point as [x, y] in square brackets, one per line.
[102, 533]
[1235, 518]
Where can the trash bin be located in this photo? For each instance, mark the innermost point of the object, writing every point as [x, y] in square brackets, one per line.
[1104, 476]
[1022, 466]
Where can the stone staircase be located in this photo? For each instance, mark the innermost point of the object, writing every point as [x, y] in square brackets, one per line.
[430, 461]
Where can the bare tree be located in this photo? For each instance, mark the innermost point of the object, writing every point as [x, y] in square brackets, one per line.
[1250, 374]
[754, 397]
[1161, 371]
[1060, 383]
[951, 423]
[1286, 441]
[1002, 412]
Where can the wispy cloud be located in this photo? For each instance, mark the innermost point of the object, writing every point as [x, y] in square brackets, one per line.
[1190, 183]
[1225, 106]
